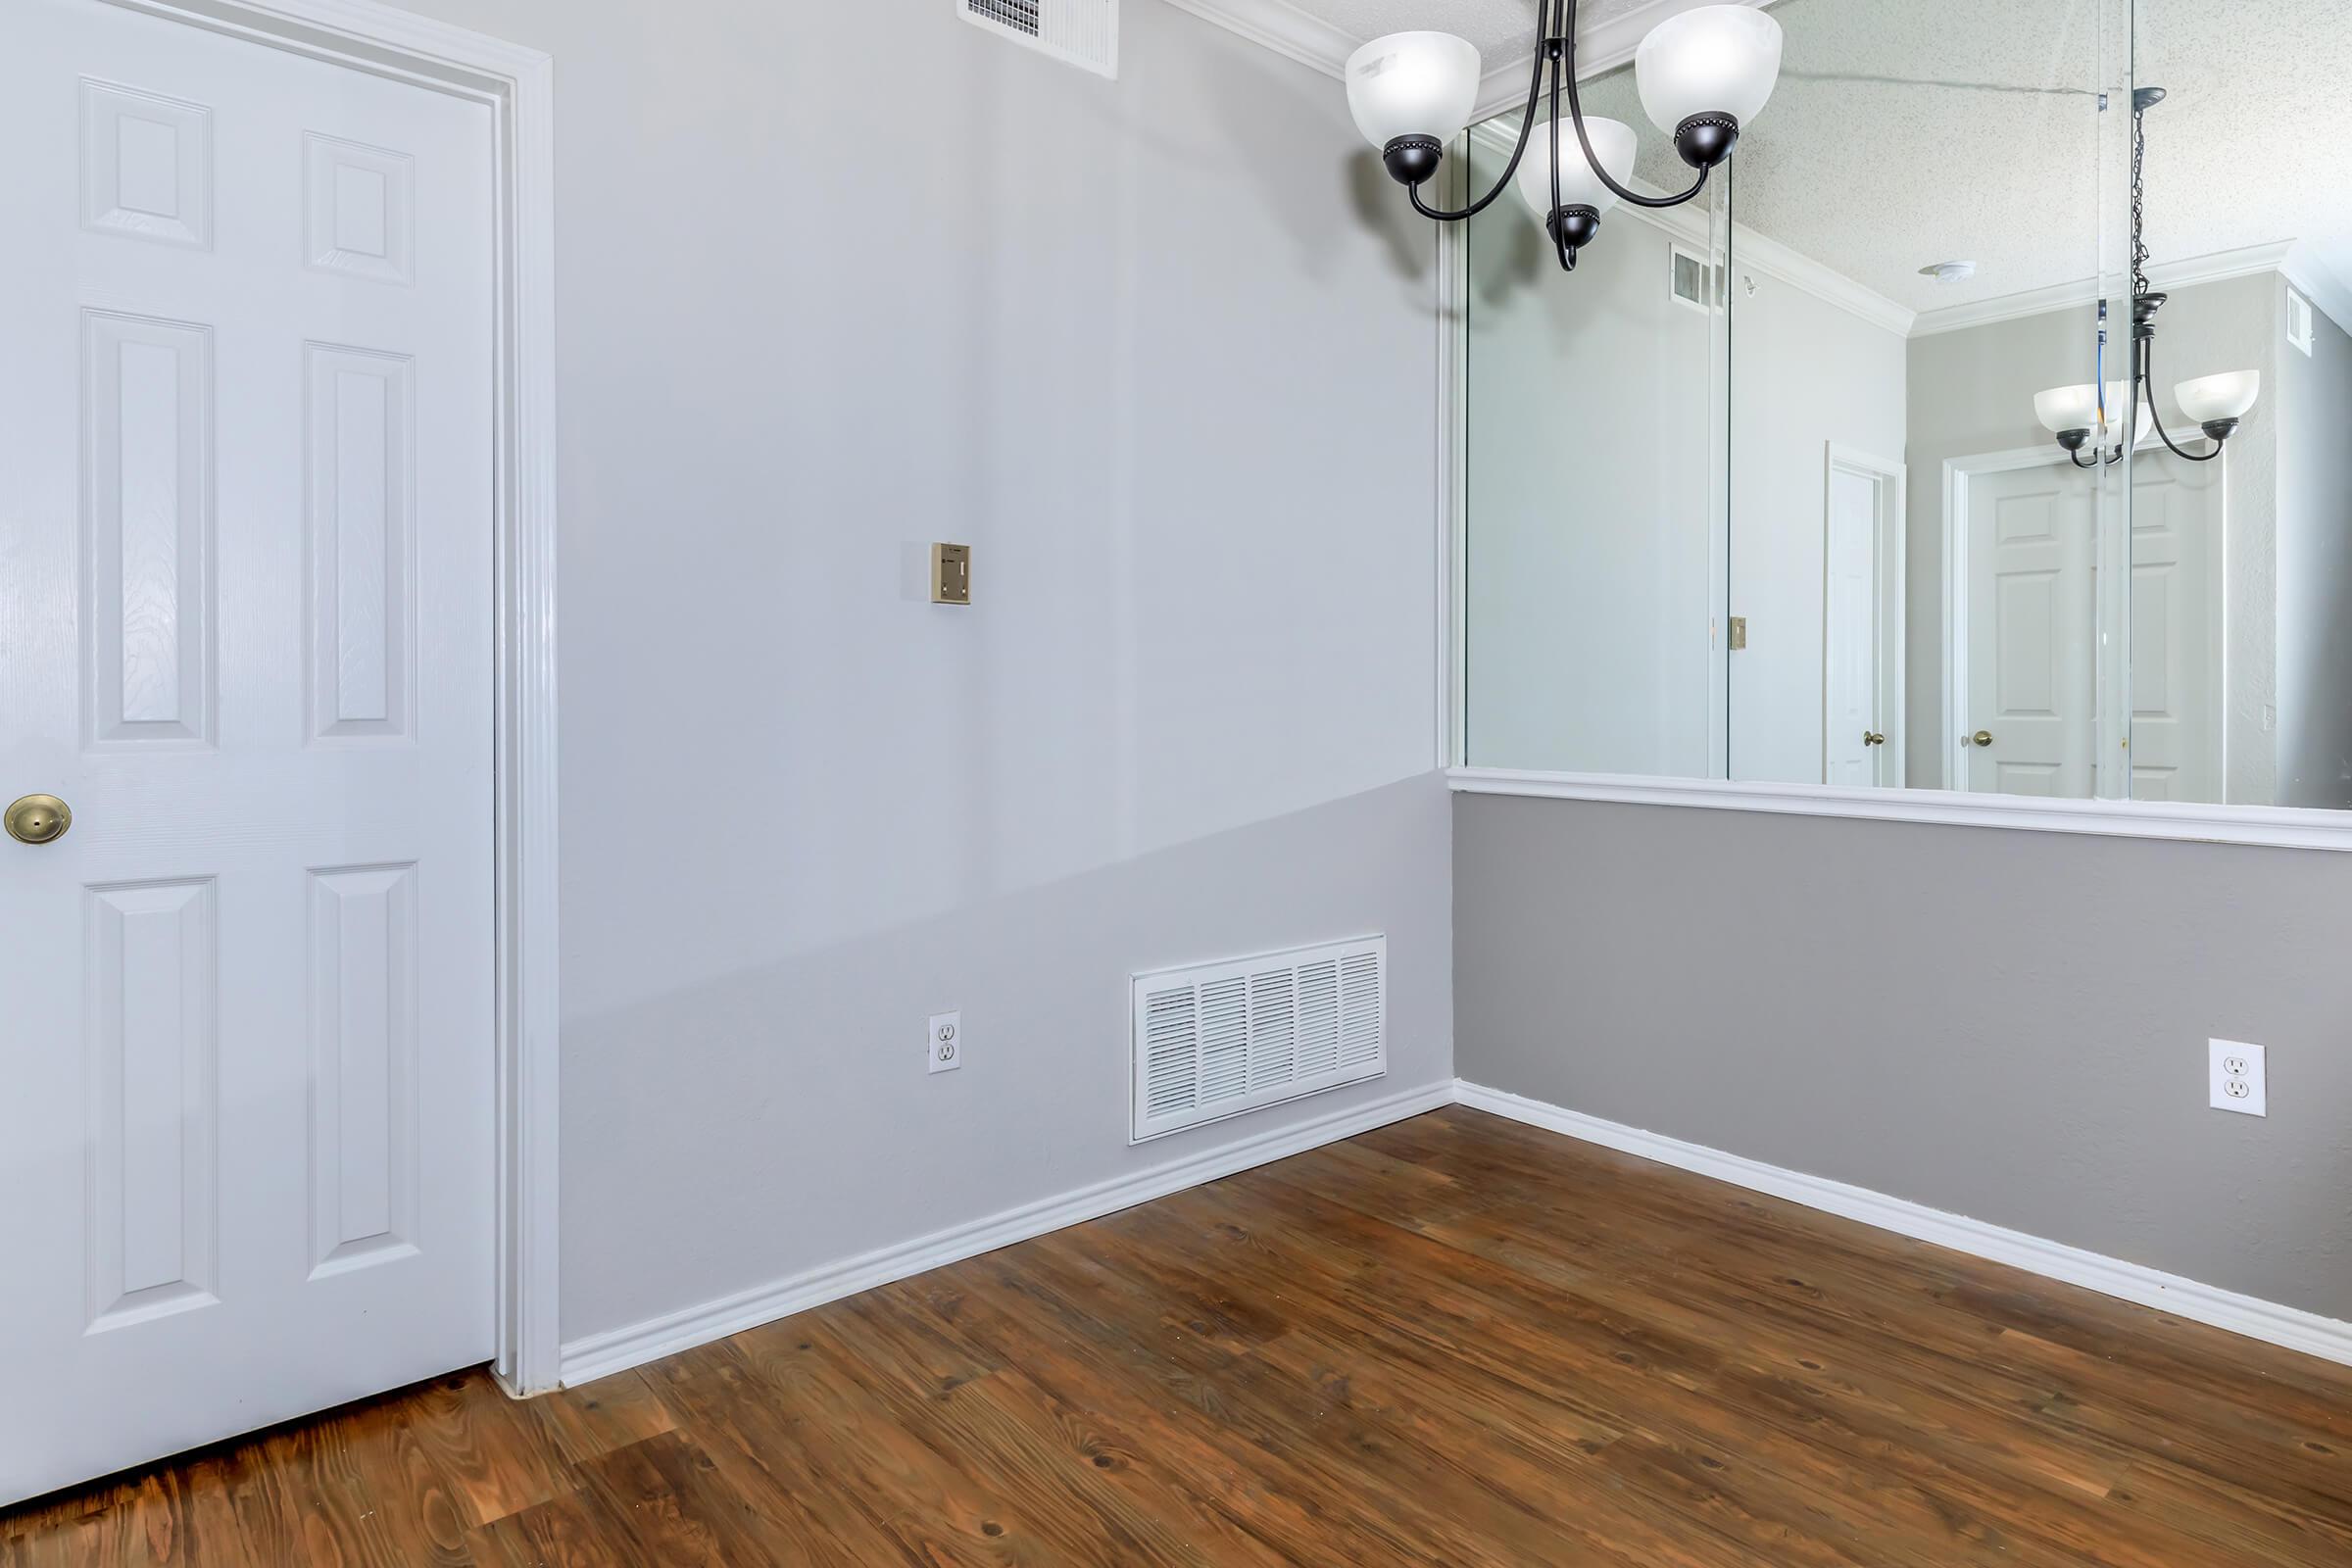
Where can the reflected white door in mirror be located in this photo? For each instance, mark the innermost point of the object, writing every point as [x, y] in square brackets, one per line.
[1862, 620]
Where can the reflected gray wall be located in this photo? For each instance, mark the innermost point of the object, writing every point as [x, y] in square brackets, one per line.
[2315, 568]
[1588, 581]
[2006, 1025]
[1972, 392]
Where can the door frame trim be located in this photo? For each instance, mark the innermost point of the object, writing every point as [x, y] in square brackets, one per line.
[518, 85]
[1889, 593]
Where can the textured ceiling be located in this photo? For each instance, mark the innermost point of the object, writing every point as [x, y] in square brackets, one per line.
[1905, 132]
[1504, 31]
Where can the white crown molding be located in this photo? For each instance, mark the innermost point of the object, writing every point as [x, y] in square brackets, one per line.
[2277, 826]
[2289, 1327]
[2213, 269]
[1286, 29]
[602, 1355]
[1770, 257]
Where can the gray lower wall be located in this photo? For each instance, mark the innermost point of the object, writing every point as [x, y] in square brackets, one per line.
[2007, 1025]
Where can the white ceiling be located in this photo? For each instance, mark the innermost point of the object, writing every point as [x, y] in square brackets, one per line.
[1905, 133]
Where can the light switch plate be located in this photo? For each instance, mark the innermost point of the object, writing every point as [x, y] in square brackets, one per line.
[950, 575]
[943, 1041]
[2240, 1077]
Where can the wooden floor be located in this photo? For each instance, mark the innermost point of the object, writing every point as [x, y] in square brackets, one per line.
[1455, 1340]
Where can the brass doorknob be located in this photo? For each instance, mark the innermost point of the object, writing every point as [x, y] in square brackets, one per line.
[1873, 738]
[40, 819]
[1983, 737]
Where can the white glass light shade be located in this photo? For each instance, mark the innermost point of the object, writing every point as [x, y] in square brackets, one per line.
[1716, 59]
[2068, 407]
[2219, 397]
[1413, 85]
[1613, 143]
[2076, 407]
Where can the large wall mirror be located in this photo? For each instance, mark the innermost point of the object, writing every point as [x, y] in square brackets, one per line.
[1841, 477]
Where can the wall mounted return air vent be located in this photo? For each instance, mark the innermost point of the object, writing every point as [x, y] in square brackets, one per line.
[1083, 33]
[1225, 1038]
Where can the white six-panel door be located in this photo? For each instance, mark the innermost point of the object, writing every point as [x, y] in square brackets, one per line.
[2032, 593]
[245, 632]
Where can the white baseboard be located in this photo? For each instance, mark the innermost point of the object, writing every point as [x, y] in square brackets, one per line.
[602, 1354]
[2288, 1325]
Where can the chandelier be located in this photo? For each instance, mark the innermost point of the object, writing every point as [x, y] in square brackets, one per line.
[2076, 414]
[1701, 75]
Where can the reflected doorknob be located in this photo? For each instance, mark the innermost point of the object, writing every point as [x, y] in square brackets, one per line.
[1873, 738]
[38, 819]
[1983, 737]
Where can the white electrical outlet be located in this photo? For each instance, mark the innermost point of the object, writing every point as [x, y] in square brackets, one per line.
[943, 1041]
[2241, 1081]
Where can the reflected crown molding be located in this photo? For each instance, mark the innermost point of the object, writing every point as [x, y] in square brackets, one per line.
[2274, 826]
[2285, 257]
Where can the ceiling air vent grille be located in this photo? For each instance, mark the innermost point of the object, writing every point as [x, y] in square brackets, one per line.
[1084, 32]
[1225, 1038]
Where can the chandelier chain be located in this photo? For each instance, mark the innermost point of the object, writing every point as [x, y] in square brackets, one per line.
[2140, 242]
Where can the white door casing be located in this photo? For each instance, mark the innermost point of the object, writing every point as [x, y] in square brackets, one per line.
[266, 1002]
[1862, 620]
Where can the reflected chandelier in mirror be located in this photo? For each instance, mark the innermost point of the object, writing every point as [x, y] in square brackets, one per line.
[2215, 401]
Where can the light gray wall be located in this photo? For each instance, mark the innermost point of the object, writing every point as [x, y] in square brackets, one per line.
[835, 281]
[2010, 1026]
[2315, 568]
[1972, 392]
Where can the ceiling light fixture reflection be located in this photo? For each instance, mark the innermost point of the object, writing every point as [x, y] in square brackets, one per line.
[2077, 415]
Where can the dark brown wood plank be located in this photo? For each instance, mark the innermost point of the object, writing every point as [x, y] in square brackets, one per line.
[1454, 1340]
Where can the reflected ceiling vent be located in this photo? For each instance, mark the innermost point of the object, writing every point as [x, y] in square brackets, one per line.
[1082, 33]
[1226, 1038]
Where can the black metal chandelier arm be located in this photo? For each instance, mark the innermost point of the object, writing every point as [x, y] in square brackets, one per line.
[1557, 225]
[1584, 139]
[1527, 128]
[2147, 389]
